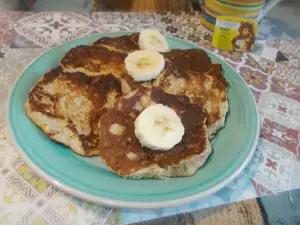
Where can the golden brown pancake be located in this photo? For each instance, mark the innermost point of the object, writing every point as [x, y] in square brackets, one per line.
[126, 43]
[191, 73]
[96, 61]
[67, 107]
[93, 61]
[195, 60]
[123, 153]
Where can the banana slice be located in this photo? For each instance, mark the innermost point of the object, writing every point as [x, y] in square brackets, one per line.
[144, 65]
[153, 40]
[158, 127]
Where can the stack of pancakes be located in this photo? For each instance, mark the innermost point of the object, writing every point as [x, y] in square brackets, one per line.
[89, 103]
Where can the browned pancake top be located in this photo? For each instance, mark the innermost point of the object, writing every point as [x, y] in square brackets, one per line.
[126, 43]
[190, 59]
[93, 59]
[99, 91]
[195, 60]
[191, 73]
[115, 147]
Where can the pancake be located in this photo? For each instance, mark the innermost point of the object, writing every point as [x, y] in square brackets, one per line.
[122, 152]
[96, 61]
[191, 73]
[67, 107]
[125, 44]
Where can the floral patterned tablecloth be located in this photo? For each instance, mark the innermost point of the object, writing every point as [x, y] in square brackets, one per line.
[25, 198]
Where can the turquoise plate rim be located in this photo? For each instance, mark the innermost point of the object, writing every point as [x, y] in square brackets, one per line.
[132, 204]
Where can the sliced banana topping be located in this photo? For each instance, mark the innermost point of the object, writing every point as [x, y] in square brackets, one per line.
[144, 65]
[158, 127]
[152, 39]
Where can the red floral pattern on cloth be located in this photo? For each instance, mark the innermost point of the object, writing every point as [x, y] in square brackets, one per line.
[260, 189]
[281, 135]
[272, 164]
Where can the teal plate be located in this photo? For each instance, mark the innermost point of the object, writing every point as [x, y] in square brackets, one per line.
[89, 179]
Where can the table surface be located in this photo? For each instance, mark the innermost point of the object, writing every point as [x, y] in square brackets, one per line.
[26, 198]
[143, 5]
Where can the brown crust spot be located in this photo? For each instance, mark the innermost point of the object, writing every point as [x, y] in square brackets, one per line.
[201, 80]
[93, 59]
[96, 61]
[126, 43]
